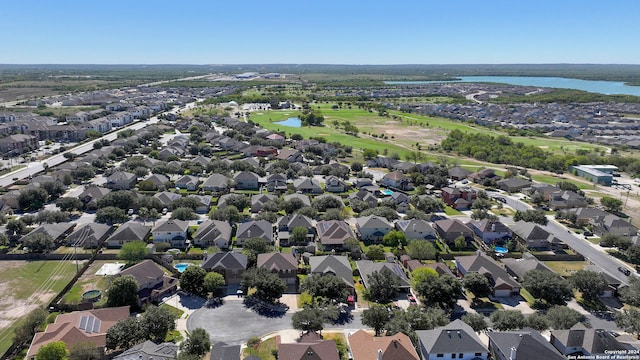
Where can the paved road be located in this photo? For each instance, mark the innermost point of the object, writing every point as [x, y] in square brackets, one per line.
[233, 323]
[603, 260]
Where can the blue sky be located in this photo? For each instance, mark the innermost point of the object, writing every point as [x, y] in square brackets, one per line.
[320, 32]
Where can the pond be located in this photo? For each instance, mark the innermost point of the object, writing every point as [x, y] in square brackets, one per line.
[291, 122]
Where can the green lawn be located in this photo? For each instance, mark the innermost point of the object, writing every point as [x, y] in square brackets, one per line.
[173, 310]
[263, 351]
[451, 211]
[566, 268]
[553, 179]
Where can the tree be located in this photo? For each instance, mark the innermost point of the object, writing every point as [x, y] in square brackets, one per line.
[133, 252]
[633, 254]
[375, 252]
[123, 291]
[38, 242]
[507, 320]
[32, 199]
[547, 285]
[590, 283]
[226, 213]
[52, 216]
[356, 166]
[16, 227]
[562, 317]
[630, 294]
[537, 322]
[376, 317]
[192, 280]
[212, 281]
[157, 322]
[382, 286]
[69, 204]
[325, 286]
[85, 350]
[353, 246]
[111, 215]
[299, 235]
[184, 213]
[23, 334]
[476, 321]
[56, 350]
[611, 204]
[611, 240]
[369, 154]
[125, 334]
[629, 320]
[310, 318]
[534, 216]
[254, 246]
[442, 291]
[423, 274]
[197, 343]
[395, 238]
[268, 286]
[460, 242]
[478, 284]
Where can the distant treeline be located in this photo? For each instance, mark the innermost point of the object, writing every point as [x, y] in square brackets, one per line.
[565, 96]
[503, 150]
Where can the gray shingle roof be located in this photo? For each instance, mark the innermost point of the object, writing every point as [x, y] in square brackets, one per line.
[330, 264]
[457, 337]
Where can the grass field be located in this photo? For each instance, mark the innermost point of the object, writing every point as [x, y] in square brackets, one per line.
[32, 284]
[566, 268]
[263, 350]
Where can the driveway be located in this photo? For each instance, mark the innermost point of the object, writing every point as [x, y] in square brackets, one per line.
[234, 323]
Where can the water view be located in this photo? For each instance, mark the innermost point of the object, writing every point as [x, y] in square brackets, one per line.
[594, 86]
[291, 122]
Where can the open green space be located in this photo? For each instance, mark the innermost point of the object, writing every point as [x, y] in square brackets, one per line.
[37, 276]
[566, 268]
[263, 351]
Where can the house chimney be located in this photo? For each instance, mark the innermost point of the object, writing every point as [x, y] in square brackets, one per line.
[512, 354]
[379, 354]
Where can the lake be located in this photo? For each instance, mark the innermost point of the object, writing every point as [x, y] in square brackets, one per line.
[291, 122]
[594, 86]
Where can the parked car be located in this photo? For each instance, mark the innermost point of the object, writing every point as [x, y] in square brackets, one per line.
[624, 270]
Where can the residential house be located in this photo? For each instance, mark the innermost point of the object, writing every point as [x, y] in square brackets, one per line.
[217, 183]
[172, 231]
[543, 189]
[310, 346]
[224, 351]
[450, 229]
[276, 182]
[513, 184]
[158, 180]
[440, 268]
[285, 265]
[416, 229]
[362, 182]
[523, 344]
[307, 186]
[304, 199]
[149, 350]
[333, 233]
[128, 232]
[167, 198]
[588, 215]
[363, 195]
[338, 266]
[188, 182]
[368, 267]
[91, 195]
[533, 236]
[335, 184]
[258, 201]
[483, 175]
[276, 138]
[78, 117]
[566, 200]
[502, 283]
[57, 231]
[401, 200]
[246, 180]
[89, 236]
[614, 225]
[518, 267]
[290, 155]
[213, 233]
[152, 282]
[459, 198]
[231, 265]
[121, 180]
[204, 203]
[79, 327]
[410, 264]
[458, 173]
[365, 346]
[454, 341]
[586, 342]
[287, 223]
[490, 231]
[254, 229]
[372, 228]
[397, 180]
